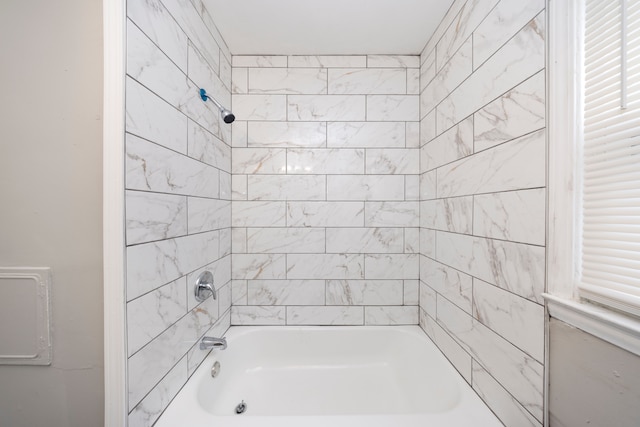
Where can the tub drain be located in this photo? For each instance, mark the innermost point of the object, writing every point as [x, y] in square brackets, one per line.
[241, 408]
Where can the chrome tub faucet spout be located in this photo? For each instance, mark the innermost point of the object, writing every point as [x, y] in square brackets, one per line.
[209, 343]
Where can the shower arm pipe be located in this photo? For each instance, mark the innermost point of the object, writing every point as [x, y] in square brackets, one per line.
[205, 98]
[227, 115]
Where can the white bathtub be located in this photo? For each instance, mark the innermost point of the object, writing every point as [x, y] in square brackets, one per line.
[328, 376]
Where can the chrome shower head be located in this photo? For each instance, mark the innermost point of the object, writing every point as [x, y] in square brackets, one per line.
[227, 116]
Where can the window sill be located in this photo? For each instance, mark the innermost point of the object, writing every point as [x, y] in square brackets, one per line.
[616, 328]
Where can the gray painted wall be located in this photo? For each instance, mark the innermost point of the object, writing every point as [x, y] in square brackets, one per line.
[51, 208]
[592, 382]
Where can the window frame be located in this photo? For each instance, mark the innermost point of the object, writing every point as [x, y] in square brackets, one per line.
[564, 128]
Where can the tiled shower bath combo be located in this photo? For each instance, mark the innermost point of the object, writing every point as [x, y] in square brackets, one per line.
[352, 190]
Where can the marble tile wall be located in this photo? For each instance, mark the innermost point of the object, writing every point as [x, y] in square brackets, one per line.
[482, 200]
[325, 189]
[178, 196]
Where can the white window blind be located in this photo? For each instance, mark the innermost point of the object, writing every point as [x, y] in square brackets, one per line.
[610, 205]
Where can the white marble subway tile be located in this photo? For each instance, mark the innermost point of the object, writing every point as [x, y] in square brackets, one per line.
[314, 315]
[204, 76]
[153, 216]
[287, 134]
[150, 117]
[258, 315]
[286, 187]
[515, 267]
[288, 81]
[259, 107]
[225, 242]
[239, 187]
[327, 61]
[518, 373]
[364, 292]
[225, 72]
[365, 240]
[506, 19]
[427, 127]
[520, 58]
[392, 161]
[428, 242]
[366, 134]
[454, 285]
[240, 80]
[208, 214]
[392, 214]
[325, 161]
[392, 315]
[202, 10]
[224, 298]
[258, 266]
[454, 214]
[464, 23]
[428, 187]
[411, 187]
[225, 131]
[515, 165]
[221, 270]
[389, 108]
[325, 214]
[518, 216]
[325, 266]
[253, 61]
[358, 81]
[258, 214]
[259, 161]
[147, 64]
[286, 292]
[322, 108]
[450, 75]
[285, 240]
[427, 70]
[226, 190]
[239, 292]
[151, 265]
[428, 298]
[411, 240]
[207, 148]
[152, 313]
[150, 167]
[412, 135]
[367, 187]
[149, 365]
[459, 358]
[518, 112]
[393, 61]
[503, 404]
[413, 81]
[149, 409]
[239, 133]
[191, 22]
[516, 319]
[454, 144]
[239, 240]
[391, 266]
[445, 24]
[411, 292]
[158, 24]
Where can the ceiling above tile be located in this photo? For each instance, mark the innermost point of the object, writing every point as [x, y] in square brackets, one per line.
[322, 27]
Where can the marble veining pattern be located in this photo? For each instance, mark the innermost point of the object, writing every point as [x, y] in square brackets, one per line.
[483, 198]
[178, 187]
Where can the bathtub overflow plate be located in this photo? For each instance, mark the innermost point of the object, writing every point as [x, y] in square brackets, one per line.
[241, 408]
